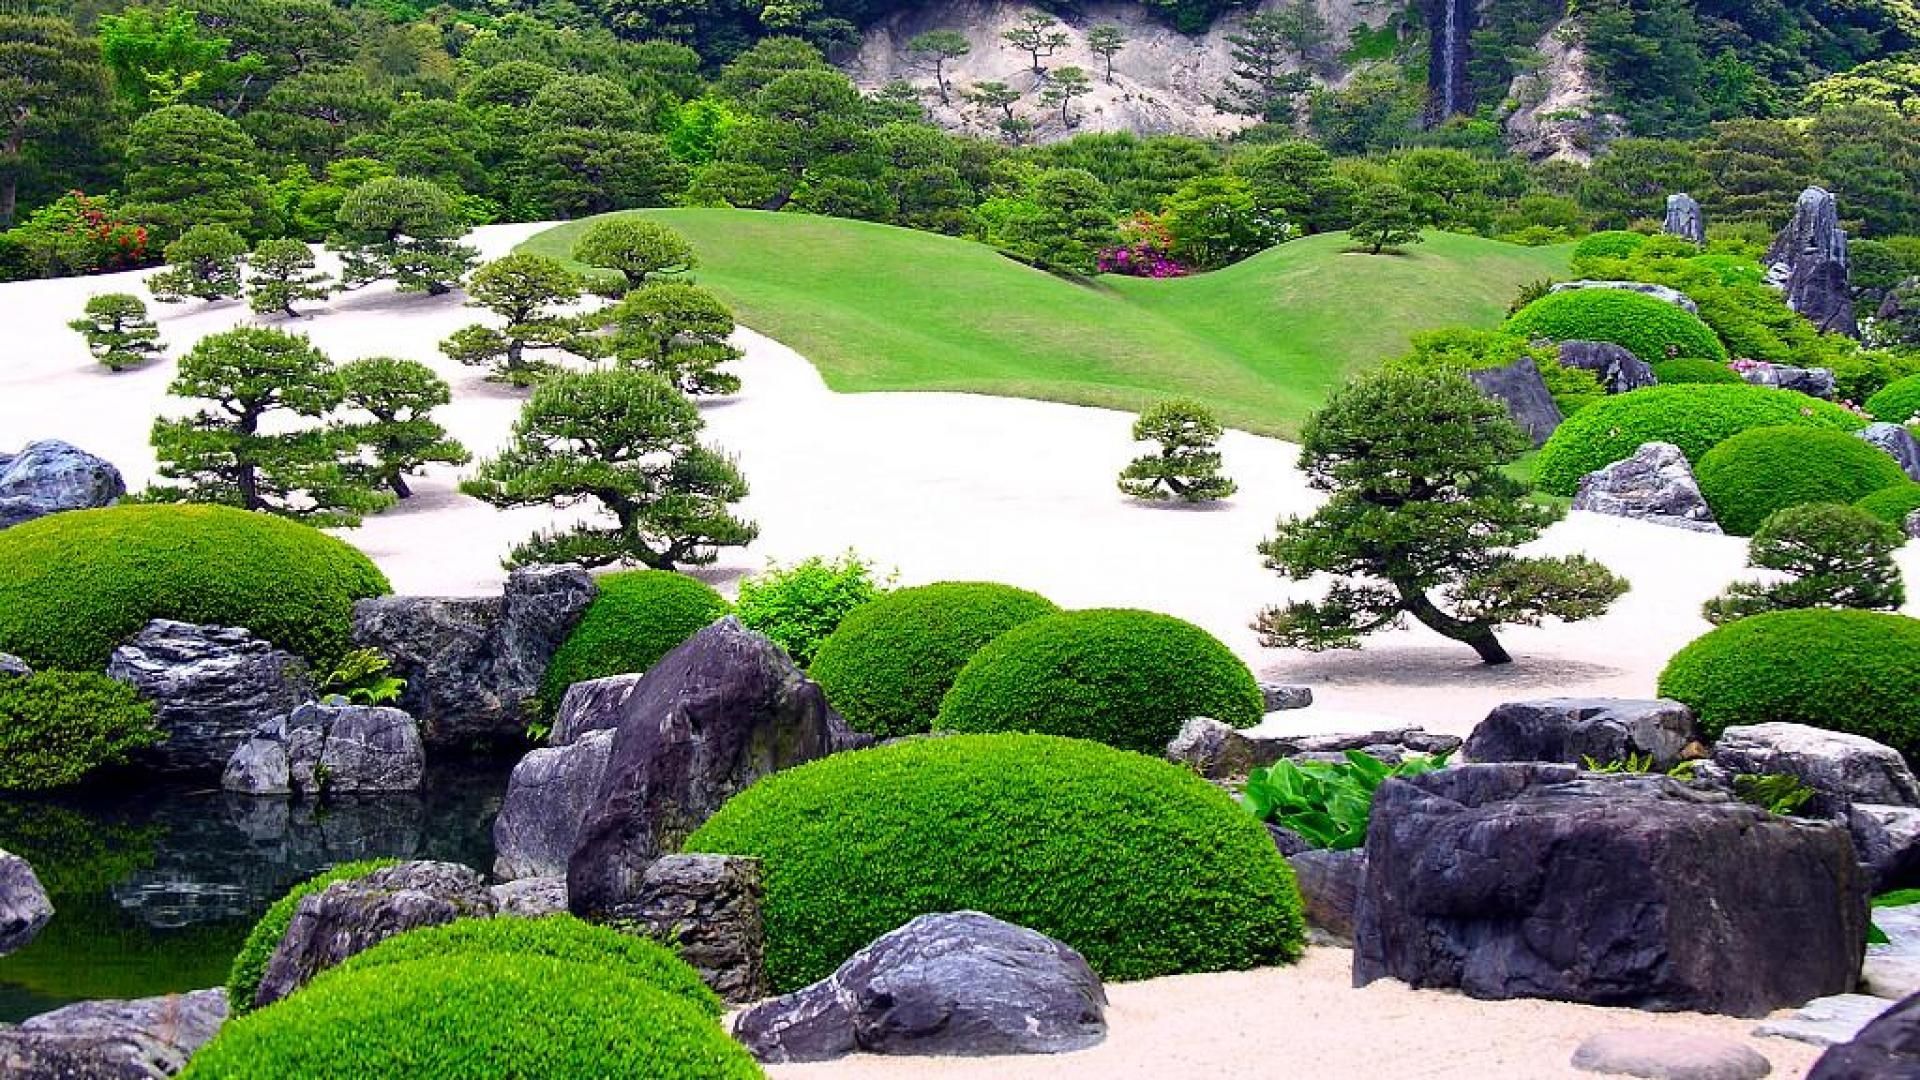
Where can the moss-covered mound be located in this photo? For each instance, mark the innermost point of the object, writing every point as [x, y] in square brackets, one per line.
[1893, 504]
[1139, 864]
[1609, 244]
[1694, 418]
[1677, 372]
[475, 1018]
[1897, 402]
[1129, 679]
[637, 617]
[73, 585]
[250, 965]
[1757, 472]
[1651, 329]
[891, 661]
[1851, 671]
[57, 726]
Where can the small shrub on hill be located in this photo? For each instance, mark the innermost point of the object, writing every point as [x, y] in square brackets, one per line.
[800, 606]
[1898, 402]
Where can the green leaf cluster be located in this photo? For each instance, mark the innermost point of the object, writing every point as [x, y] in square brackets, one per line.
[1327, 804]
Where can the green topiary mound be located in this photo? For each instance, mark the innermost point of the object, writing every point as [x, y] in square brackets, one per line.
[1678, 372]
[57, 726]
[1650, 329]
[637, 617]
[1141, 865]
[1609, 244]
[891, 661]
[73, 585]
[1694, 418]
[1851, 671]
[1893, 504]
[557, 937]
[1897, 402]
[1757, 472]
[475, 1018]
[1129, 679]
[250, 965]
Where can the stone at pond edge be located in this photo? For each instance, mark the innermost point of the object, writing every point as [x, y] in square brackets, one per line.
[548, 797]
[50, 476]
[1844, 768]
[1887, 1048]
[212, 687]
[1669, 1055]
[113, 1040]
[709, 910]
[1656, 484]
[961, 984]
[1572, 730]
[1520, 387]
[330, 748]
[1826, 1021]
[1898, 443]
[1618, 370]
[593, 705]
[1330, 884]
[24, 906]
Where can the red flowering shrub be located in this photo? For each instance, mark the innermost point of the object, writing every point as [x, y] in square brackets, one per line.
[78, 234]
[1143, 250]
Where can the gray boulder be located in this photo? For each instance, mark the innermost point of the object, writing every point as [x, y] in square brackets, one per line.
[710, 910]
[12, 666]
[1219, 752]
[531, 898]
[1685, 219]
[1571, 730]
[1670, 1055]
[330, 747]
[548, 797]
[24, 907]
[1539, 881]
[1887, 839]
[1844, 768]
[1656, 485]
[1827, 1021]
[1614, 365]
[472, 664]
[1285, 697]
[1899, 444]
[593, 705]
[1662, 293]
[1913, 525]
[723, 709]
[963, 984]
[1813, 382]
[212, 687]
[1521, 389]
[1808, 261]
[348, 917]
[1888, 1048]
[1330, 884]
[50, 476]
[113, 1040]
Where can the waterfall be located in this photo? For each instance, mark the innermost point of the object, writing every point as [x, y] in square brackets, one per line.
[1451, 25]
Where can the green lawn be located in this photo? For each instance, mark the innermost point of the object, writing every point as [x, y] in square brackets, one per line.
[1263, 342]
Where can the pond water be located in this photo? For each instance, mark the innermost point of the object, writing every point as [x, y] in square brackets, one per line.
[154, 888]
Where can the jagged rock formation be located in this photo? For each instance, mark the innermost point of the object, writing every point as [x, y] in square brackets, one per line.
[50, 476]
[1520, 387]
[212, 687]
[1685, 219]
[1808, 260]
[1450, 23]
[1554, 112]
[1656, 484]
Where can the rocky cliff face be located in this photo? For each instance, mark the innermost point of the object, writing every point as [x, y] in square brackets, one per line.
[1554, 113]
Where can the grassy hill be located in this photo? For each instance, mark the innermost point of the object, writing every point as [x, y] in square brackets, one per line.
[1263, 342]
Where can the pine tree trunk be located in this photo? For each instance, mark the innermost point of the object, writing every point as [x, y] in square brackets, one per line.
[398, 482]
[1476, 636]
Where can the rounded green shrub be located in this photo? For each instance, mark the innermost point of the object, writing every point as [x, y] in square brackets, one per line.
[1675, 372]
[1126, 678]
[250, 964]
[1897, 402]
[801, 605]
[637, 617]
[475, 1018]
[1893, 504]
[1851, 671]
[1609, 244]
[1694, 418]
[557, 937]
[891, 661]
[57, 726]
[1139, 864]
[1751, 475]
[1651, 329]
[74, 585]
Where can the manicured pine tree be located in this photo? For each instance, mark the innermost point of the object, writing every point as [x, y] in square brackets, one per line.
[280, 275]
[1383, 219]
[678, 332]
[118, 331]
[522, 289]
[1187, 466]
[203, 264]
[405, 229]
[1827, 555]
[638, 249]
[403, 437]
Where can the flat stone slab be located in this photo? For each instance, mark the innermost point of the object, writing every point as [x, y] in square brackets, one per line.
[1892, 970]
[1827, 1021]
[1669, 1055]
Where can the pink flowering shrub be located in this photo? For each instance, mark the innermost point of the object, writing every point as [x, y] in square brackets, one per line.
[1142, 251]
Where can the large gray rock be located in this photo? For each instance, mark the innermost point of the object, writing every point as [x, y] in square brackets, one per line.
[1539, 881]
[1888, 840]
[472, 664]
[1685, 219]
[1521, 389]
[1285, 697]
[1614, 365]
[1656, 484]
[330, 747]
[113, 1040]
[593, 705]
[50, 476]
[1219, 752]
[531, 898]
[24, 907]
[720, 711]
[1808, 260]
[1892, 969]
[1330, 884]
[1899, 444]
[547, 799]
[1572, 730]
[1662, 293]
[1888, 1048]
[710, 910]
[1844, 768]
[1813, 382]
[12, 666]
[348, 917]
[212, 687]
[963, 984]
[1658, 1054]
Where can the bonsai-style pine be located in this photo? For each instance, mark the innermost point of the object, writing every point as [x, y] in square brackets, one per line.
[404, 229]
[1065, 84]
[1832, 555]
[636, 248]
[1039, 36]
[400, 395]
[203, 264]
[280, 275]
[1188, 464]
[936, 47]
[628, 440]
[222, 454]
[1383, 219]
[1106, 43]
[119, 334]
[1421, 521]
[677, 331]
[521, 289]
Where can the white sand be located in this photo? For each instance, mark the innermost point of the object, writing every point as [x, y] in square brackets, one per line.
[946, 486]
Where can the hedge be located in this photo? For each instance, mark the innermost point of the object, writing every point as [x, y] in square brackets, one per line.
[57, 726]
[73, 585]
[637, 617]
[1650, 328]
[1129, 679]
[1139, 864]
[892, 660]
[250, 964]
[1897, 402]
[1694, 418]
[1850, 671]
[1893, 504]
[1751, 475]
[1609, 244]
[1676, 372]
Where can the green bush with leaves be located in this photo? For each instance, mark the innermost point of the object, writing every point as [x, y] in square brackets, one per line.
[1142, 866]
[1650, 329]
[57, 726]
[1327, 804]
[1187, 464]
[890, 662]
[801, 605]
[1751, 475]
[634, 248]
[1893, 504]
[1672, 372]
[203, 264]
[1609, 244]
[1694, 418]
[74, 585]
[1851, 671]
[636, 617]
[250, 964]
[1897, 402]
[1831, 555]
[364, 677]
[1126, 678]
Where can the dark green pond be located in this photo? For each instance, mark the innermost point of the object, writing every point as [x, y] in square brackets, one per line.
[154, 888]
